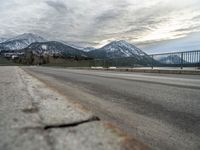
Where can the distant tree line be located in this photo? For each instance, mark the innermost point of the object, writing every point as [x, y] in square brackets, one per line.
[29, 58]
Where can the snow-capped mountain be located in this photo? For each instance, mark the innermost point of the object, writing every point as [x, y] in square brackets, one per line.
[117, 49]
[53, 48]
[171, 59]
[21, 41]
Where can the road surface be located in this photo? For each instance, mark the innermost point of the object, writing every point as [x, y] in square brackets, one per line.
[35, 117]
[161, 110]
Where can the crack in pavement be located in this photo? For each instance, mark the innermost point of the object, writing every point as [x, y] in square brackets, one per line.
[68, 125]
[45, 130]
[73, 124]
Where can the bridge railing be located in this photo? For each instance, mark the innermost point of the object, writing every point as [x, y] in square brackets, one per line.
[175, 59]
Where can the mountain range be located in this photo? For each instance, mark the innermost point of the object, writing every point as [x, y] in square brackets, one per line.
[41, 46]
[171, 59]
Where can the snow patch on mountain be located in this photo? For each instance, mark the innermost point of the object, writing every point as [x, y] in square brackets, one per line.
[88, 49]
[44, 47]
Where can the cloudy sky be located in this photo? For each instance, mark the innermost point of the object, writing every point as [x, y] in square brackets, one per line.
[153, 25]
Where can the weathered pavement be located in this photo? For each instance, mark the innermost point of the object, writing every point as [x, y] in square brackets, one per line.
[162, 110]
[34, 117]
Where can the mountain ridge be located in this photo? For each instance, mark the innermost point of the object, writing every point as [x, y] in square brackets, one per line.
[21, 41]
[55, 48]
[3, 40]
[117, 49]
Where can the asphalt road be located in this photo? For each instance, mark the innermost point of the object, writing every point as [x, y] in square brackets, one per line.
[161, 110]
[35, 117]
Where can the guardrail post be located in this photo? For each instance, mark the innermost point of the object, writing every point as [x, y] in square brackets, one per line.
[198, 60]
[151, 61]
[181, 60]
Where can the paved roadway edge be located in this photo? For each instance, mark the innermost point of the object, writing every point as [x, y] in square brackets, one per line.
[129, 141]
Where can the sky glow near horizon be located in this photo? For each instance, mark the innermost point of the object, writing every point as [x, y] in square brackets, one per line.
[155, 26]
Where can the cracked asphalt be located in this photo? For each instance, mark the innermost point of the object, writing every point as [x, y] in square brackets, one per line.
[36, 117]
[161, 110]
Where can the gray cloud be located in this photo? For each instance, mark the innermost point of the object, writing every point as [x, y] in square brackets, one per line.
[182, 30]
[94, 23]
[59, 6]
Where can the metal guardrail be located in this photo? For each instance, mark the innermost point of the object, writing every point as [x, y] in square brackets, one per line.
[175, 59]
